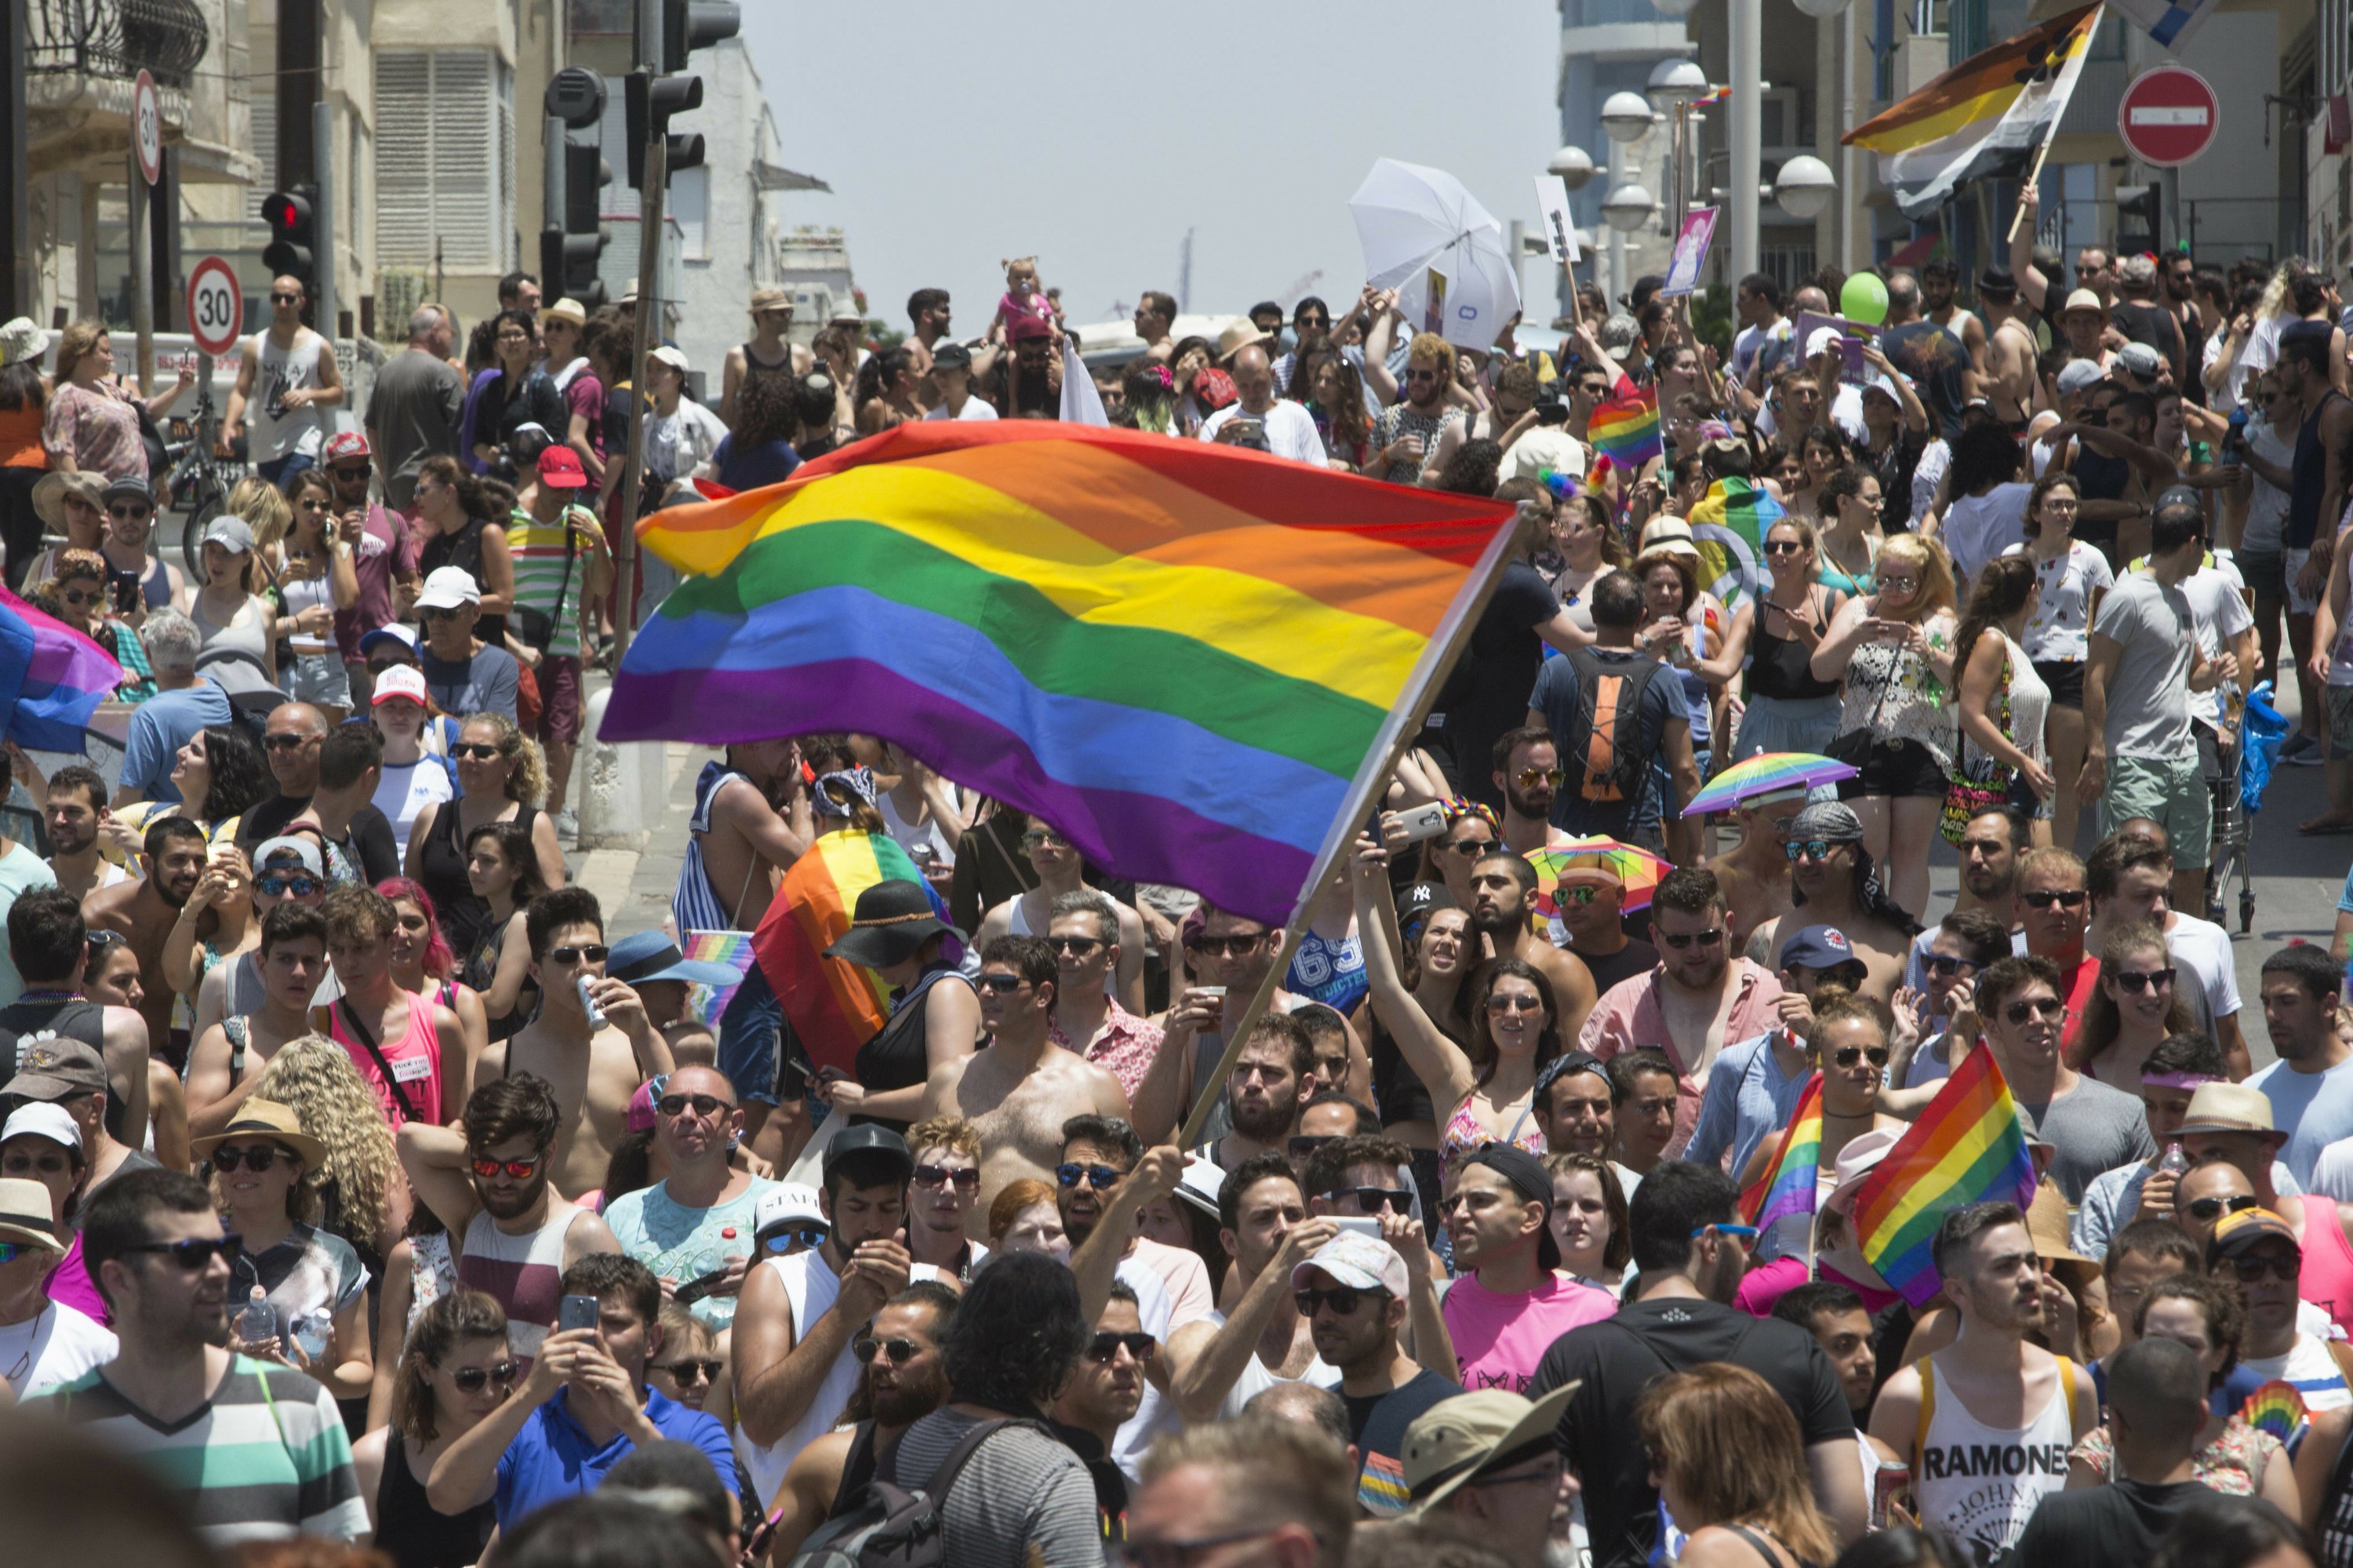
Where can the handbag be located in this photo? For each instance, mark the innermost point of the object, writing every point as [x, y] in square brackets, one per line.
[1965, 797]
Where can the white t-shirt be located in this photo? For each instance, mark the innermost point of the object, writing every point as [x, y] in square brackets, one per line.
[1257, 1378]
[1156, 1413]
[1290, 431]
[2267, 502]
[2220, 613]
[55, 1346]
[1846, 413]
[2058, 631]
[2310, 1368]
[404, 790]
[1977, 528]
[2204, 950]
[974, 409]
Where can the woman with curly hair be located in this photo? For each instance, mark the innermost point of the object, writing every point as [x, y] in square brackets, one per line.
[454, 1369]
[1336, 400]
[501, 777]
[363, 1196]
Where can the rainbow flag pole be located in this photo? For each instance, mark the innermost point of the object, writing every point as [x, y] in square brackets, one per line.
[1198, 662]
[1966, 1148]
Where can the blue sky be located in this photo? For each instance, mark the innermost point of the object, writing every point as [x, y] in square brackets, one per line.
[1093, 135]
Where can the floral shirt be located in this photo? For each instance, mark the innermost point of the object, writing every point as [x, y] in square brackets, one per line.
[2059, 629]
[2232, 1464]
[98, 429]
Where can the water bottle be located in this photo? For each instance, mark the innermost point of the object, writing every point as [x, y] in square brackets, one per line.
[256, 1321]
[2175, 1163]
[311, 1332]
[712, 1259]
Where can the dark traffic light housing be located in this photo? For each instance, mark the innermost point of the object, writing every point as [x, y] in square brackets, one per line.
[2140, 219]
[293, 250]
[568, 256]
[649, 103]
[690, 25]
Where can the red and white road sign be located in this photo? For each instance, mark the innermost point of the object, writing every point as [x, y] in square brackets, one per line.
[2169, 116]
[147, 128]
[216, 306]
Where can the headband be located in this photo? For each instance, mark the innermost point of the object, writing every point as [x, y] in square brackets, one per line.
[2183, 1080]
[858, 781]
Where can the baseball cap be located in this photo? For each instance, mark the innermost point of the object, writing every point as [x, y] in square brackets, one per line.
[398, 631]
[2141, 361]
[1487, 1429]
[869, 1140]
[1368, 1263]
[446, 588]
[347, 444]
[2077, 374]
[231, 534]
[306, 850]
[2237, 1234]
[56, 1068]
[952, 357]
[1527, 1176]
[129, 489]
[1818, 948]
[672, 356]
[400, 681]
[559, 467]
[787, 1204]
[41, 1119]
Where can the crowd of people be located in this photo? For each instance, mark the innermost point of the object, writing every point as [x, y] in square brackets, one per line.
[358, 1185]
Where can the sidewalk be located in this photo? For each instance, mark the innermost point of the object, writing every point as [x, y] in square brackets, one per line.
[634, 885]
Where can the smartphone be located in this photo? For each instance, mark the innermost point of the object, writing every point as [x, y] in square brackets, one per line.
[1551, 412]
[1363, 1225]
[576, 1312]
[1246, 431]
[1426, 822]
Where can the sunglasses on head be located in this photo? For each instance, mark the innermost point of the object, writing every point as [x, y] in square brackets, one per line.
[2134, 981]
[1101, 1178]
[689, 1371]
[471, 1379]
[193, 1256]
[2049, 1007]
[1373, 1200]
[704, 1105]
[1342, 1298]
[278, 886]
[1678, 940]
[1851, 1055]
[808, 1236]
[2211, 1209]
[2069, 899]
[594, 953]
[1104, 1346]
[941, 1176]
[901, 1352]
[1228, 947]
[518, 1169]
[255, 1157]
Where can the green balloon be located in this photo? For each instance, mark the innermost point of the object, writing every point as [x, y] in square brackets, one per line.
[1864, 299]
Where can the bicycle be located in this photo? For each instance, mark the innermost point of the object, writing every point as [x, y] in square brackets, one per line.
[199, 479]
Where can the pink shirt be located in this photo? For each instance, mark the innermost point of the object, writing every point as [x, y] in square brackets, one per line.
[1628, 1015]
[70, 1283]
[1126, 1048]
[1499, 1339]
[1190, 1298]
[1765, 1285]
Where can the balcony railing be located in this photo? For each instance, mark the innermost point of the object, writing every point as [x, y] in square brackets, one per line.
[117, 38]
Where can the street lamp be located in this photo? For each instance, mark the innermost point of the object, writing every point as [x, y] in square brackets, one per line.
[1675, 84]
[1820, 8]
[1627, 117]
[1804, 187]
[1629, 207]
[1574, 166]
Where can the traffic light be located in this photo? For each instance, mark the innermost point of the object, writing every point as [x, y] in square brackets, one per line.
[293, 251]
[586, 174]
[649, 102]
[2140, 218]
[690, 25]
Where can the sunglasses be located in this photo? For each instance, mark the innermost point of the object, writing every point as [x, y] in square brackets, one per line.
[474, 751]
[288, 742]
[1038, 837]
[10, 1251]
[81, 598]
[285, 298]
[2135, 982]
[1899, 585]
[1853, 1054]
[1514, 1004]
[704, 1105]
[1104, 1346]
[1945, 964]
[1784, 547]
[693, 1370]
[1746, 1232]
[471, 1379]
[941, 1176]
[519, 1170]
[809, 1236]
[594, 953]
[901, 1352]
[2067, 900]
[1101, 1178]
[278, 886]
[1000, 985]
[1421, 375]
[2211, 1209]
[1678, 940]
[259, 1157]
[1373, 1200]
[1583, 892]
[1808, 849]
[1342, 1298]
[1076, 947]
[1470, 849]
[2250, 1269]
[130, 513]
[1311, 323]
[193, 1257]
[1228, 947]
[345, 470]
[1531, 777]
[2049, 1007]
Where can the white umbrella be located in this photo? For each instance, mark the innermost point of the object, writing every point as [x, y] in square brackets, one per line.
[1411, 219]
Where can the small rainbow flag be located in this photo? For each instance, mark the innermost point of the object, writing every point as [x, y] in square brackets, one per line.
[1183, 655]
[2277, 1408]
[1966, 1148]
[835, 1007]
[52, 678]
[1787, 1185]
[1728, 525]
[1625, 426]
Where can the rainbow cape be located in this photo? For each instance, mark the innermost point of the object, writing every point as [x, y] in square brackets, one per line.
[1728, 525]
[1787, 1185]
[52, 678]
[1183, 655]
[835, 1007]
[1966, 1148]
[1625, 426]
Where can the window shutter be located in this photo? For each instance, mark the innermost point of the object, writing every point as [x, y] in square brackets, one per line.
[403, 157]
[441, 139]
[465, 144]
[264, 106]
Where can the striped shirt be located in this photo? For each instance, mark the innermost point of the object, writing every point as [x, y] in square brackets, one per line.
[265, 1459]
[540, 569]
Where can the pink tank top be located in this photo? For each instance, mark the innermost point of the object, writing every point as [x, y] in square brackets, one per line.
[2327, 1278]
[414, 1091]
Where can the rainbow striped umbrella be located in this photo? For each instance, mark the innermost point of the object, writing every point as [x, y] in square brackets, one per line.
[1767, 773]
[1639, 869]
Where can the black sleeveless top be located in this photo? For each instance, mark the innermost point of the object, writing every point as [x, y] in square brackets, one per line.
[464, 549]
[1781, 666]
[414, 1533]
[2310, 474]
[897, 1058]
[72, 1017]
[442, 870]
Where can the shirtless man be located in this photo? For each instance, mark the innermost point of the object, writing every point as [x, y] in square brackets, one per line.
[227, 1058]
[1503, 900]
[173, 858]
[743, 838]
[1020, 1088]
[1697, 1000]
[593, 1070]
[1754, 872]
[2010, 384]
[1941, 283]
[1832, 884]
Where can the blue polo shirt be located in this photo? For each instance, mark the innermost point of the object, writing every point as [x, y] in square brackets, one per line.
[159, 727]
[552, 1458]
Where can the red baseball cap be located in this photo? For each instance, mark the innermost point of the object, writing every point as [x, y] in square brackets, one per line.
[347, 444]
[560, 467]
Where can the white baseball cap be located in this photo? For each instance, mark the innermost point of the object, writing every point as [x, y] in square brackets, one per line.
[788, 1202]
[400, 681]
[42, 1119]
[448, 588]
[1363, 1260]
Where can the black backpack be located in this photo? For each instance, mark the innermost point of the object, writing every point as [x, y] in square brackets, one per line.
[889, 1526]
[1604, 750]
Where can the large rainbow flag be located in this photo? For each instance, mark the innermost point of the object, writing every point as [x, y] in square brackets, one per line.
[1966, 1148]
[835, 1007]
[52, 678]
[1981, 120]
[1181, 655]
[1787, 1185]
[1624, 427]
[1728, 525]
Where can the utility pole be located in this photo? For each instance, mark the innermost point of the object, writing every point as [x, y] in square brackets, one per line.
[1745, 114]
[16, 202]
[625, 537]
[322, 215]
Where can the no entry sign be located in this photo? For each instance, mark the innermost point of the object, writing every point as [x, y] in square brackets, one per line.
[2169, 116]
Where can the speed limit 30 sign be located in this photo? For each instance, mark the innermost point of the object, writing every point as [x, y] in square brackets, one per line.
[216, 306]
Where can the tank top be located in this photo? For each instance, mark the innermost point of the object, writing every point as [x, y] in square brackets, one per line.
[2311, 476]
[442, 870]
[1329, 970]
[696, 904]
[277, 431]
[2103, 478]
[464, 549]
[29, 1020]
[1398, 1093]
[412, 1091]
[1978, 1483]
[525, 1273]
[755, 366]
[413, 1532]
[897, 1056]
[482, 968]
[299, 594]
[1831, 575]
[1780, 667]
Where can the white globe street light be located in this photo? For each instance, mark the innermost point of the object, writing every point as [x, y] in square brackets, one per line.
[1821, 7]
[1627, 116]
[1804, 187]
[1629, 207]
[1675, 82]
[1574, 165]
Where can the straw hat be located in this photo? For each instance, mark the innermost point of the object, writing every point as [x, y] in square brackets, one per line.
[25, 1214]
[49, 495]
[1236, 337]
[266, 1118]
[2046, 1222]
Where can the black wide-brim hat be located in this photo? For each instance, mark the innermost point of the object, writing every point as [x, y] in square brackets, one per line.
[891, 922]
